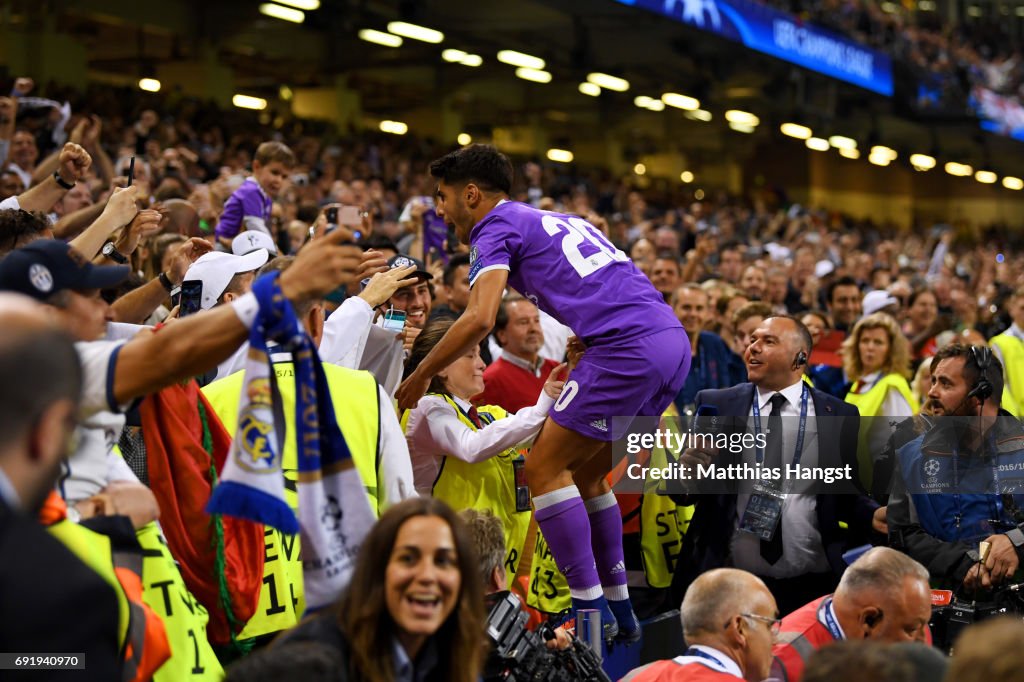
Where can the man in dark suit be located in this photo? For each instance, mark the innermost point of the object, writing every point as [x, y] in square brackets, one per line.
[794, 542]
[50, 602]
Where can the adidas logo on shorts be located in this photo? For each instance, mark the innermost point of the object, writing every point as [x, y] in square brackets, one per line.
[600, 425]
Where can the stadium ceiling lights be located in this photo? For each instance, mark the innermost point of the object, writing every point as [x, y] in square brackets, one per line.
[1010, 182]
[818, 144]
[535, 75]
[698, 115]
[741, 128]
[879, 159]
[922, 162]
[961, 170]
[248, 102]
[609, 82]
[795, 130]
[686, 176]
[882, 152]
[674, 99]
[308, 5]
[462, 57]
[590, 89]
[414, 32]
[842, 142]
[394, 127]
[560, 155]
[526, 61]
[149, 84]
[464, 139]
[380, 38]
[741, 118]
[985, 177]
[645, 102]
[283, 13]
[850, 153]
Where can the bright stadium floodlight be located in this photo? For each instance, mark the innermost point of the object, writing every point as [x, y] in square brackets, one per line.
[513, 58]
[464, 139]
[842, 142]
[922, 162]
[472, 60]
[741, 127]
[1010, 182]
[795, 130]
[453, 55]
[308, 5]
[380, 38]
[407, 30]
[850, 153]
[742, 118]
[640, 169]
[249, 102]
[986, 177]
[283, 13]
[608, 82]
[642, 101]
[686, 176]
[394, 127]
[960, 170]
[818, 144]
[560, 155]
[674, 99]
[881, 151]
[535, 75]
[149, 84]
[656, 105]
[698, 115]
[590, 89]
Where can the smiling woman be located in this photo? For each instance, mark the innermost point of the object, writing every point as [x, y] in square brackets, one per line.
[425, 620]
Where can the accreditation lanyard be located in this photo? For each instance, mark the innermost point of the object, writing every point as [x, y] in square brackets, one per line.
[827, 617]
[804, 393]
[997, 511]
[705, 655]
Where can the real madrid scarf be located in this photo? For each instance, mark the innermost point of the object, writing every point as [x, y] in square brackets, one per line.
[252, 483]
[334, 512]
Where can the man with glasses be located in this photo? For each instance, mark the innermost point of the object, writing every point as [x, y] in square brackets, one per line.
[730, 621]
[884, 595]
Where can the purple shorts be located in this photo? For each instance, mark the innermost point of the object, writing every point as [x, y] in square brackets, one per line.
[636, 378]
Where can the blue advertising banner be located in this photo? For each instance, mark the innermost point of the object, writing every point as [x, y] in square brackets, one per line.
[781, 35]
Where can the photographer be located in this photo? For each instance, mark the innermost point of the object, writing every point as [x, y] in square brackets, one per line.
[956, 456]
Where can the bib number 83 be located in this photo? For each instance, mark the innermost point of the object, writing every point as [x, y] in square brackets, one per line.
[577, 232]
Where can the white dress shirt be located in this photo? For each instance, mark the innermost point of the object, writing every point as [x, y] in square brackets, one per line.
[434, 430]
[802, 548]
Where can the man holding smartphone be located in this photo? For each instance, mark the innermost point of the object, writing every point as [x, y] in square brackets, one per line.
[636, 360]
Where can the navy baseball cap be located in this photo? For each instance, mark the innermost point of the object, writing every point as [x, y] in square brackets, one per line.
[401, 261]
[48, 266]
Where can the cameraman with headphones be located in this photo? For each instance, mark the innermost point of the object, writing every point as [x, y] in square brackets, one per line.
[956, 483]
[802, 558]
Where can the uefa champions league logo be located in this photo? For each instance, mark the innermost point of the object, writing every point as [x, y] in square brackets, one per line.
[931, 467]
[694, 11]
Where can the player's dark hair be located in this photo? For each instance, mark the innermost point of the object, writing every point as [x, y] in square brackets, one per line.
[844, 281]
[481, 164]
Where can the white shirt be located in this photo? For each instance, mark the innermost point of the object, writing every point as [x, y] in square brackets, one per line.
[434, 430]
[26, 177]
[725, 663]
[519, 362]
[802, 548]
[10, 203]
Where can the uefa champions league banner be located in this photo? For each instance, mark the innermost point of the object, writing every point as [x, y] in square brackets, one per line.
[780, 35]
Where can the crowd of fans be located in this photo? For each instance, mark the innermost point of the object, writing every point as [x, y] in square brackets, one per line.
[185, 193]
[949, 59]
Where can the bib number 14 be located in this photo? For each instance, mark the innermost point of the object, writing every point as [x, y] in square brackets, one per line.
[575, 233]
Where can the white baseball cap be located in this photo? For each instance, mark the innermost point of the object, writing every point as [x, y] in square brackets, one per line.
[876, 300]
[216, 269]
[250, 240]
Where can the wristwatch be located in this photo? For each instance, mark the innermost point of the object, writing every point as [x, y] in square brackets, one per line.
[60, 180]
[166, 282]
[1017, 538]
[111, 252]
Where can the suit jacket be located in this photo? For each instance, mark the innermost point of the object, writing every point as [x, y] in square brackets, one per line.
[706, 544]
[52, 603]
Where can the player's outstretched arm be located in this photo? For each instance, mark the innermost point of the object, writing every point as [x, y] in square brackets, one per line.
[468, 331]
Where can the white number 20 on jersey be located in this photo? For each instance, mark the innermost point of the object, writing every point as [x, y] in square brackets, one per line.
[576, 232]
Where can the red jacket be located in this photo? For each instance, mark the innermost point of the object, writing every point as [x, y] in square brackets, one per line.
[802, 634]
[683, 669]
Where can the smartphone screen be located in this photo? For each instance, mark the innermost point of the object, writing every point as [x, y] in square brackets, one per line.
[191, 297]
[394, 320]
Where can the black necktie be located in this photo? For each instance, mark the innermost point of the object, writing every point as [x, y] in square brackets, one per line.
[771, 550]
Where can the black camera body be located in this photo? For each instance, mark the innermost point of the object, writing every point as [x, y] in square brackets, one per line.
[948, 621]
[519, 655]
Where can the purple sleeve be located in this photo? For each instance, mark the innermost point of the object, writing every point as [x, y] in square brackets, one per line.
[231, 217]
[495, 245]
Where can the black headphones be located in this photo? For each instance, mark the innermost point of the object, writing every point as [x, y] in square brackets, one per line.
[800, 360]
[982, 386]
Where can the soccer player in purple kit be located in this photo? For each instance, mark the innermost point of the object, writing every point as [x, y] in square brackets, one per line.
[636, 359]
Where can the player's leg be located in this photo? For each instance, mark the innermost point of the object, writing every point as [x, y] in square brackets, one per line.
[606, 538]
[562, 516]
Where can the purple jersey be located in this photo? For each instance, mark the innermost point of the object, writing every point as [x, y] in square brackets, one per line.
[248, 207]
[570, 270]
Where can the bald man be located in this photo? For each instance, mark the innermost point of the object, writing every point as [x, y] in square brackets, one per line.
[884, 595]
[729, 620]
[180, 217]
